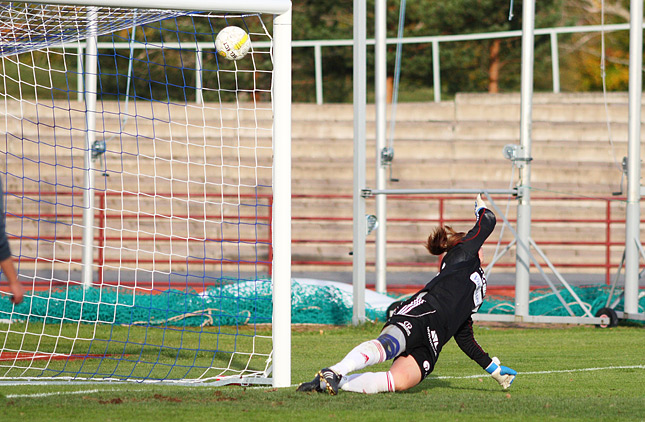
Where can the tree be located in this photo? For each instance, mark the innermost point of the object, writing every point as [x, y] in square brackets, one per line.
[468, 66]
[583, 52]
[323, 20]
[484, 61]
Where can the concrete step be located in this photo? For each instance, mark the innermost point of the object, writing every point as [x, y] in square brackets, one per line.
[404, 148]
[170, 140]
[62, 111]
[159, 255]
[555, 113]
[404, 258]
[321, 156]
[446, 145]
[543, 98]
[600, 179]
[423, 112]
[431, 170]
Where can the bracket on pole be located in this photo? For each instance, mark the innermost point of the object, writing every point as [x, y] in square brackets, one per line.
[515, 153]
[387, 156]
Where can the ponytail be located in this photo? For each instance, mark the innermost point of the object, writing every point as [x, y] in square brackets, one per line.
[442, 239]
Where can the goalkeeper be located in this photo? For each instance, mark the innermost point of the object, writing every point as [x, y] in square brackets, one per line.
[423, 324]
[6, 261]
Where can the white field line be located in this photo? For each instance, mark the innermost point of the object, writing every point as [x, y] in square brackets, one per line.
[549, 372]
[61, 393]
[57, 393]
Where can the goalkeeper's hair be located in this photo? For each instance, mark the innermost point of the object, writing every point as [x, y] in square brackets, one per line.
[442, 239]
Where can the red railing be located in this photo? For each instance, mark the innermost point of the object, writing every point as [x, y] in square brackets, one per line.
[435, 203]
[438, 203]
[102, 216]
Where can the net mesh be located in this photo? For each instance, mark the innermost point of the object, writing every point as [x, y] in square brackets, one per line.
[29, 26]
[177, 173]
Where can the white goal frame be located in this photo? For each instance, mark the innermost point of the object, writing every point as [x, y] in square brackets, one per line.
[281, 108]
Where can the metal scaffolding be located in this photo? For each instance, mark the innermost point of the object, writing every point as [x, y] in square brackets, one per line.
[521, 158]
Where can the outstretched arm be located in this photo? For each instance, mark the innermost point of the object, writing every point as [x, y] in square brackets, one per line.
[466, 341]
[484, 226]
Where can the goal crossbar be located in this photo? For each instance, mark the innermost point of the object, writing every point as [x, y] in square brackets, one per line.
[256, 6]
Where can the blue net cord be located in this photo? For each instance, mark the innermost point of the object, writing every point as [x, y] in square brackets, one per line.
[182, 197]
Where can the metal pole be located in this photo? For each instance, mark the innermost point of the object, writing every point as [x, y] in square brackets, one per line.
[555, 62]
[523, 258]
[79, 74]
[380, 99]
[318, 71]
[360, 87]
[281, 212]
[91, 70]
[436, 72]
[199, 94]
[632, 219]
[370, 192]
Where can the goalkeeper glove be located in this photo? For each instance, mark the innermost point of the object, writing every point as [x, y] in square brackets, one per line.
[479, 204]
[502, 374]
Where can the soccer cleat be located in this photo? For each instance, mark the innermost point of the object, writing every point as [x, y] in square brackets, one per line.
[330, 380]
[313, 385]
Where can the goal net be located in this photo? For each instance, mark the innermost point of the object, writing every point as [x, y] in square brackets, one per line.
[142, 193]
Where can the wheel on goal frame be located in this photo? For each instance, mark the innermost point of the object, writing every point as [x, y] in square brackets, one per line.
[609, 313]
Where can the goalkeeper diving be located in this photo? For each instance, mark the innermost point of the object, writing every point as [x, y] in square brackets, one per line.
[421, 325]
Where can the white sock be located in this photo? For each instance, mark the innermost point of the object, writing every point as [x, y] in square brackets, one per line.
[368, 382]
[365, 354]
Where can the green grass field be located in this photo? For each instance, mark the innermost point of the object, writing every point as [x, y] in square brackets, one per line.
[563, 375]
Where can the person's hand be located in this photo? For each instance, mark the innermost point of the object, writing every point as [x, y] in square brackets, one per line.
[479, 204]
[18, 293]
[502, 374]
[9, 271]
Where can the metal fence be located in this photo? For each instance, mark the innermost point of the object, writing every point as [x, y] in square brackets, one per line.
[607, 238]
[318, 45]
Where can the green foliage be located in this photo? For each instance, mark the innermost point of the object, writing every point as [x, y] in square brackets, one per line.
[169, 74]
[323, 20]
[580, 54]
[464, 65]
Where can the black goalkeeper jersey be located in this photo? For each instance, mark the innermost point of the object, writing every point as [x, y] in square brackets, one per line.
[459, 289]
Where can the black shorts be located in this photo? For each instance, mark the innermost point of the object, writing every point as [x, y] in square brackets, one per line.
[416, 318]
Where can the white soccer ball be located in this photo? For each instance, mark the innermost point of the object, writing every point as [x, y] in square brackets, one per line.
[232, 43]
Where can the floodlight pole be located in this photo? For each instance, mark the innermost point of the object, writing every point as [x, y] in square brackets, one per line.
[523, 259]
[359, 223]
[632, 218]
[380, 100]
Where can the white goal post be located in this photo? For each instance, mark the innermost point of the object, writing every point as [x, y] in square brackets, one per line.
[147, 190]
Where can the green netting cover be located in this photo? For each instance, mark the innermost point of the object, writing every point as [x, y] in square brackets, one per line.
[544, 302]
[247, 302]
[250, 302]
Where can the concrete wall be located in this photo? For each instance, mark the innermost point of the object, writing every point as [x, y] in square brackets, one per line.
[578, 143]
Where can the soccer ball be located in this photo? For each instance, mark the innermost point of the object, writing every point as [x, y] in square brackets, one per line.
[232, 43]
